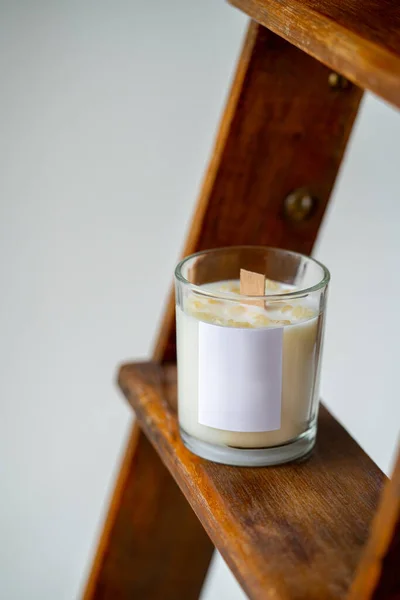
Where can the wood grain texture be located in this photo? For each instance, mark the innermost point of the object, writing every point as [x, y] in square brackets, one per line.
[284, 128]
[153, 546]
[252, 284]
[378, 574]
[290, 532]
[360, 40]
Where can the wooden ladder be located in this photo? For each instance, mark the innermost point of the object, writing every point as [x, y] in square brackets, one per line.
[326, 528]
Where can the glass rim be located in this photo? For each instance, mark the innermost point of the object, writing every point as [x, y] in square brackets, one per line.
[198, 289]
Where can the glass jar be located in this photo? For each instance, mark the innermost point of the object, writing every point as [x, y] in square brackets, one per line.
[248, 366]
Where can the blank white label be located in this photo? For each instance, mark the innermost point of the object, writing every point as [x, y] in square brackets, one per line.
[240, 378]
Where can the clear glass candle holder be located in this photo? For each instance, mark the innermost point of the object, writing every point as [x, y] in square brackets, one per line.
[248, 366]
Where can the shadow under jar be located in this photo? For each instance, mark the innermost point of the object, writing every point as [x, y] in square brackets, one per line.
[248, 366]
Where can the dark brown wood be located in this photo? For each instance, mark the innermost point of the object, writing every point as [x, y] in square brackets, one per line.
[388, 586]
[289, 532]
[284, 128]
[378, 574]
[153, 547]
[359, 39]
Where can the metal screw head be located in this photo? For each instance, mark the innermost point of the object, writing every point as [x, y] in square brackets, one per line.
[338, 82]
[299, 205]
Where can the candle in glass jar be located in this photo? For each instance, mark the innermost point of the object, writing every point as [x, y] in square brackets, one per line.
[295, 339]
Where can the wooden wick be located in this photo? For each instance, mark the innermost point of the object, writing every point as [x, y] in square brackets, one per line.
[252, 284]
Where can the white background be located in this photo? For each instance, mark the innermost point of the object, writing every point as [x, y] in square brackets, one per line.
[107, 115]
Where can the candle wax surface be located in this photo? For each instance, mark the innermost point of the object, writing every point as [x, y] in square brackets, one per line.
[274, 313]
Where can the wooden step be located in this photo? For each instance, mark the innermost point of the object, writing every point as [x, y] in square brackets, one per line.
[289, 532]
[359, 39]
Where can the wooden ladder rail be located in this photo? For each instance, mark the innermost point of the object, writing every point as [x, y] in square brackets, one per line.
[281, 139]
